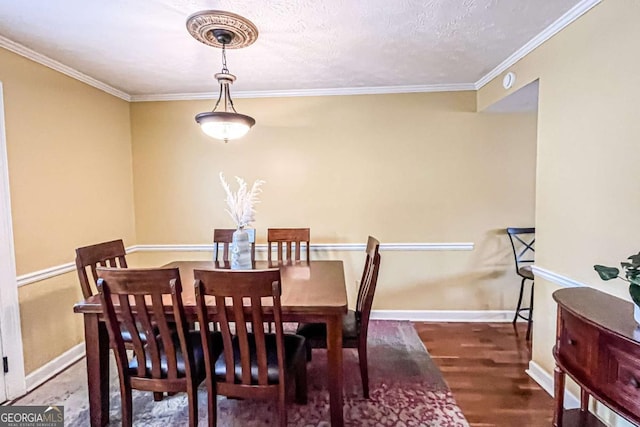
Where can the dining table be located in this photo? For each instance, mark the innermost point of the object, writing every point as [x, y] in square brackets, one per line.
[312, 291]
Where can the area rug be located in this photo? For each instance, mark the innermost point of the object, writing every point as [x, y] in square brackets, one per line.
[406, 389]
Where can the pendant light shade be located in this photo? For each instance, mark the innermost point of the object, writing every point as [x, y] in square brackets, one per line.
[223, 29]
[223, 125]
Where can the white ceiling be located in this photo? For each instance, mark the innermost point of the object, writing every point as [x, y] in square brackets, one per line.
[141, 47]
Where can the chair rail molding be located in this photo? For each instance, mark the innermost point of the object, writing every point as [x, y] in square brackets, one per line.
[316, 247]
[556, 278]
[47, 273]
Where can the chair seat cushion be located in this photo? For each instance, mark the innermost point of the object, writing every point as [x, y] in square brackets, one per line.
[126, 335]
[316, 333]
[526, 272]
[198, 356]
[293, 348]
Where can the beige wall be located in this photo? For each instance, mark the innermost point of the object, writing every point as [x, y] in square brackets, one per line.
[69, 152]
[588, 185]
[405, 168]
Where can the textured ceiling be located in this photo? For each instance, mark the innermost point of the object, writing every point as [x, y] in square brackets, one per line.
[142, 47]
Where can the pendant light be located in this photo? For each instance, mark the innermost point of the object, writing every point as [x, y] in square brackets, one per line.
[227, 31]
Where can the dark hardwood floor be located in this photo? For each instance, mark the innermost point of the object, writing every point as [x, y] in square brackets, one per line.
[484, 365]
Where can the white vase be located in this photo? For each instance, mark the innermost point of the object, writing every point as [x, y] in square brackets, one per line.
[241, 250]
[636, 313]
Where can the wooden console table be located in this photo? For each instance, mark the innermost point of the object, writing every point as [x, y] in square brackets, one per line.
[598, 346]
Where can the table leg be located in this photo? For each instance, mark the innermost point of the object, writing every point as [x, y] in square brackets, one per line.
[97, 354]
[334, 356]
[559, 396]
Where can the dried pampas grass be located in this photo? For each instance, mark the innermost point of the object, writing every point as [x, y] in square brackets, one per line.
[241, 203]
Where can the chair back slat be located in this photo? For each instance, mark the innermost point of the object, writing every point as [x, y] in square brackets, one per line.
[128, 323]
[106, 254]
[285, 240]
[141, 310]
[523, 245]
[239, 297]
[367, 289]
[257, 326]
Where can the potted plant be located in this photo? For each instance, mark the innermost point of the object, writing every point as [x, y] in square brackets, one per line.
[631, 275]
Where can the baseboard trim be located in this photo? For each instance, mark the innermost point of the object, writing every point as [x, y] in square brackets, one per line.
[55, 366]
[545, 380]
[445, 315]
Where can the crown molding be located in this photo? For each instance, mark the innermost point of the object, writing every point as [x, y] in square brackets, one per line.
[374, 90]
[22, 50]
[574, 13]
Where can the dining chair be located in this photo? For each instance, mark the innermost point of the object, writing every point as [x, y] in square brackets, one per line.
[105, 254]
[355, 324]
[253, 364]
[285, 240]
[222, 239]
[170, 360]
[523, 245]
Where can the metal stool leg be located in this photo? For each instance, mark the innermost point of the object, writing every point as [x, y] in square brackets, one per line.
[528, 336]
[519, 301]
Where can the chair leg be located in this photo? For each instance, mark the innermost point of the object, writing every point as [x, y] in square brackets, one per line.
[212, 402]
[192, 399]
[308, 349]
[282, 406]
[515, 318]
[301, 381]
[126, 403]
[364, 370]
[528, 336]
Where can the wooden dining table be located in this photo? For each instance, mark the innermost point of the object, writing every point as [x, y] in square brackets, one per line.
[312, 291]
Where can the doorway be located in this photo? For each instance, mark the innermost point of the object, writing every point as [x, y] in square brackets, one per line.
[12, 378]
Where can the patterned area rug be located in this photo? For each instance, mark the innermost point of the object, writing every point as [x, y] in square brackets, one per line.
[407, 389]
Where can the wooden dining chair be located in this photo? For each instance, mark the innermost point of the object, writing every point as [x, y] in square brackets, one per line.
[523, 244]
[105, 254]
[170, 360]
[253, 364]
[285, 240]
[355, 324]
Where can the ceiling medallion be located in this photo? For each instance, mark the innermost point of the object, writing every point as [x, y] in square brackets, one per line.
[201, 26]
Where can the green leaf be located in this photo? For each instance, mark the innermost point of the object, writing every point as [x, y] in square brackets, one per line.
[634, 291]
[634, 280]
[626, 265]
[635, 259]
[606, 273]
[632, 274]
